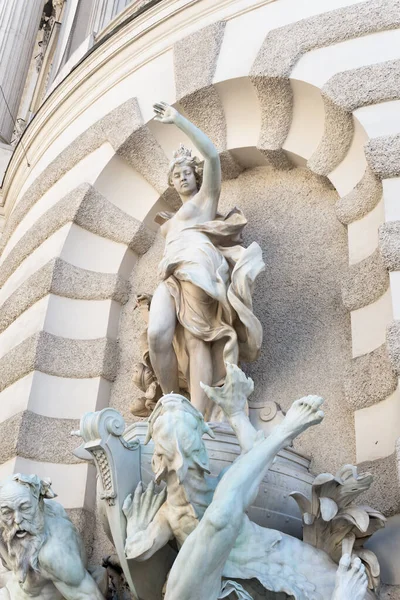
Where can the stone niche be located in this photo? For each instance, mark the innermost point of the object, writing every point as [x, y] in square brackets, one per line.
[307, 342]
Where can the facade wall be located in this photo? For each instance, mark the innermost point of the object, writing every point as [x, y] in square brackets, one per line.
[302, 102]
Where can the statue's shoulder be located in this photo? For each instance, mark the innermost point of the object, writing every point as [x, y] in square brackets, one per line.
[62, 554]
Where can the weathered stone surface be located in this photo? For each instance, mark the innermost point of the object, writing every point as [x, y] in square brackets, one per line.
[204, 108]
[338, 133]
[144, 153]
[390, 592]
[77, 358]
[32, 290]
[384, 492]
[37, 437]
[63, 279]
[366, 85]
[85, 522]
[87, 208]
[369, 379]
[277, 159]
[393, 345]
[284, 46]
[365, 282]
[9, 433]
[73, 282]
[361, 200]
[58, 356]
[383, 155]
[18, 362]
[123, 119]
[195, 59]
[389, 244]
[275, 96]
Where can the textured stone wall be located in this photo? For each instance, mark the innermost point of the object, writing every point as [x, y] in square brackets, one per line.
[285, 80]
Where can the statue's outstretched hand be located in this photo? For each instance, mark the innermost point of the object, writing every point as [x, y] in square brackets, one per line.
[141, 509]
[165, 113]
[303, 413]
[232, 396]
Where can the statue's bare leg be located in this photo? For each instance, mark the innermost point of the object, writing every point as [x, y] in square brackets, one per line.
[196, 573]
[201, 370]
[161, 330]
[351, 580]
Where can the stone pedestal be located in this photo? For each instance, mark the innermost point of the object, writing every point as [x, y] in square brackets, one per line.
[19, 23]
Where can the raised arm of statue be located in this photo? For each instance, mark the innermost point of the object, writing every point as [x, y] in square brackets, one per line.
[147, 529]
[232, 398]
[210, 189]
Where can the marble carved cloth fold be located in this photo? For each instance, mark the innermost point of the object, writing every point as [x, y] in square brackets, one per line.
[210, 257]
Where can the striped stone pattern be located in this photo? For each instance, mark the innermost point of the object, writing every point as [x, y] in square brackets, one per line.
[356, 150]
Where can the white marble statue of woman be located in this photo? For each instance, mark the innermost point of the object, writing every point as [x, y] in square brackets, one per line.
[201, 313]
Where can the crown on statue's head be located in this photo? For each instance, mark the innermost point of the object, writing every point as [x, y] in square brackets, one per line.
[182, 152]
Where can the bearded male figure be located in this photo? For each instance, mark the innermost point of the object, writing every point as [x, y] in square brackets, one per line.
[220, 549]
[39, 546]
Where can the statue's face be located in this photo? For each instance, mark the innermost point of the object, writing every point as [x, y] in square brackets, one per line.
[18, 511]
[178, 445]
[184, 180]
[163, 460]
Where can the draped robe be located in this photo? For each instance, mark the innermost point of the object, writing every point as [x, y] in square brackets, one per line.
[210, 256]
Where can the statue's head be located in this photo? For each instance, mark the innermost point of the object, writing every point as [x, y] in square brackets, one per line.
[22, 522]
[177, 428]
[185, 172]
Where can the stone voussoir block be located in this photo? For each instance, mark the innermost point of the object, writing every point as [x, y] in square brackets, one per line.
[26, 433]
[63, 279]
[116, 127]
[361, 200]
[393, 345]
[86, 207]
[389, 244]
[61, 357]
[369, 379]
[284, 46]
[196, 57]
[383, 155]
[338, 134]
[365, 282]
[365, 85]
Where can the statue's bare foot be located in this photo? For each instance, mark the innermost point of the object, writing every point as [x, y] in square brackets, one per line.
[301, 415]
[351, 580]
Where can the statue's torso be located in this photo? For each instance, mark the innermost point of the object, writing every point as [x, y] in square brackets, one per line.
[35, 586]
[188, 215]
[187, 503]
